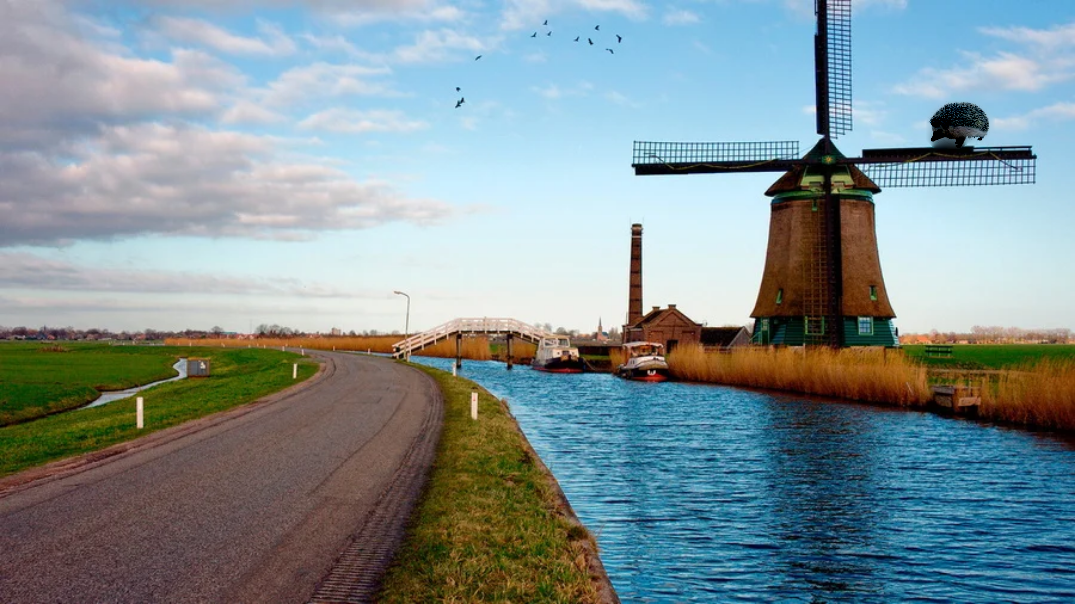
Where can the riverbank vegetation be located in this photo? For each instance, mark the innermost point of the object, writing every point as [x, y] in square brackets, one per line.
[238, 377]
[1035, 390]
[868, 375]
[490, 526]
[42, 378]
[382, 344]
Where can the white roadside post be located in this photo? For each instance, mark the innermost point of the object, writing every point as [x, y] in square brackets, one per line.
[294, 371]
[473, 403]
[140, 416]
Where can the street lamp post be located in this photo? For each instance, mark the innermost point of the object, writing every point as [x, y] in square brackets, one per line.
[407, 324]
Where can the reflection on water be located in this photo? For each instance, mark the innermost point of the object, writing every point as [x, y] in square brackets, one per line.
[115, 395]
[705, 493]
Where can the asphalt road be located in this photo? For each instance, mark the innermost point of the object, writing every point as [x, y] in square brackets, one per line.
[256, 505]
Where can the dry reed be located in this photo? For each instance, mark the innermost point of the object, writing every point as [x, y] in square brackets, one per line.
[476, 349]
[355, 343]
[855, 374]
[1041, 395]
[615, 357]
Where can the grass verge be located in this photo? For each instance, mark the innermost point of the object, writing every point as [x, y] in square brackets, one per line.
[239, 376]
[491, 525]
[39, 379]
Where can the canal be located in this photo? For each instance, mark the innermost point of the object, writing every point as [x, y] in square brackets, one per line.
[700, 493]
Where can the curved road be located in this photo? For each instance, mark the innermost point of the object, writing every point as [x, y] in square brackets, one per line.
[300, 498]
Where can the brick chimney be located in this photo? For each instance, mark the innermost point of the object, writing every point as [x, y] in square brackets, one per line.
[634, 294]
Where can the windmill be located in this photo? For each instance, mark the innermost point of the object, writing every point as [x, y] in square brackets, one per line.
[822, 282]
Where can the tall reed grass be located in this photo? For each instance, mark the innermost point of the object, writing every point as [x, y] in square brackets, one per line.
[1040, 395]
[476, 349]
[356, 343]
[855, 374]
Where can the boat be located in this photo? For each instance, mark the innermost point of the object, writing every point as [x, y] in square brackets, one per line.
[555, 354]
[644, 362]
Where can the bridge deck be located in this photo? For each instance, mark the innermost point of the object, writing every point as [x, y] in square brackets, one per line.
[465, 326]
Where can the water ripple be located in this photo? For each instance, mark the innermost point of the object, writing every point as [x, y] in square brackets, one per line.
[705, 493]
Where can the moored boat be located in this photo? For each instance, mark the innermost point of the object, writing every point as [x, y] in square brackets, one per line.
[644, 362]
[555, 354]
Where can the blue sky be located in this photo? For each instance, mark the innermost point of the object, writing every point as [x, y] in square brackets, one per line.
[172, 165]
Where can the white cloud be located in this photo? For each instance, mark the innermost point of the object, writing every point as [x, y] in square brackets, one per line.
[680, 17]
[357, 122]
[25, 270]
[436, 46]
[59, 85]
[621, 99]
[1061, 35]
[1056, 112]
[526, 14]
[185, 180]
[1004, 71]
[325, 80]
[421, 11]
[197, 31]
[248, 112]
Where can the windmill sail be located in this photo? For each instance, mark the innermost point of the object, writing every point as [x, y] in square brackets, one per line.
[929, 167]
[832, 67]
[672, 158]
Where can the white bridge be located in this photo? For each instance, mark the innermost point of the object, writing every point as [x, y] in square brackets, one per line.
[457, 328]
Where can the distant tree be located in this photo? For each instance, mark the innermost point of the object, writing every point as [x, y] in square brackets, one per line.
[560, 331]
[217, 330]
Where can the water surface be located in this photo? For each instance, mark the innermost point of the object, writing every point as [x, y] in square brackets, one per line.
[701, 493]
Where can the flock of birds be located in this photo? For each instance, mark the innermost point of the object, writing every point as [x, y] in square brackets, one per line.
[548, 33]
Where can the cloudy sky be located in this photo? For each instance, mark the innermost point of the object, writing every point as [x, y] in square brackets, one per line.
[178, 164]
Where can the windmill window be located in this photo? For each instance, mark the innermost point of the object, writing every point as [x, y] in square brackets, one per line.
[765, 324]
[873, 292]
[780, 295]
[815, 326]
[865, 326]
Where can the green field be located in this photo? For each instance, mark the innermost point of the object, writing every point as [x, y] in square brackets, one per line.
[239, 376]
[992, 356]
[39, 378]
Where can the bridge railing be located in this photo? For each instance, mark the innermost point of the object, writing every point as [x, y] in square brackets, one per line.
[483, 325]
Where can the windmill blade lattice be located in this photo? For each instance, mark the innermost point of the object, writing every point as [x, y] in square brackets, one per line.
[928, 167]
[832, 65]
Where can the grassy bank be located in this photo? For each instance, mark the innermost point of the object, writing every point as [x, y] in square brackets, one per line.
[38, 378]
[239, 376]
[490, 526]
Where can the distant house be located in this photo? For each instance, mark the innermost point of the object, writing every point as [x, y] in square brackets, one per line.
[724, 338]
[667, 326]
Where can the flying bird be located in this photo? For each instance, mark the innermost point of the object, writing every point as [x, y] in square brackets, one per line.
[533, 35]
[459, 102]
[549, 34]
[610, 51]
[477, 57]
[619, 38]
[597, 27]
[590, 41]
[546, 22]
[577, 38]
[457, 89]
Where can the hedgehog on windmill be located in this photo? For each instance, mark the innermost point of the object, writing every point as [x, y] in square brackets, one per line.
[959, 121]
